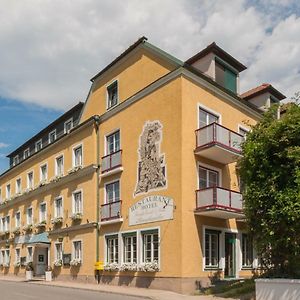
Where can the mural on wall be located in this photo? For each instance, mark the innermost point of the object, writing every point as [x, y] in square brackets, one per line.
[151, 164]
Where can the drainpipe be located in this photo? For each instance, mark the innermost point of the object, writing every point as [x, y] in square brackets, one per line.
[97, 123]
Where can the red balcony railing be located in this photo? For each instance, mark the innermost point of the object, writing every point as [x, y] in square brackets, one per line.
[217, 134]
[110, 211]
[112, 161]
[218, 197]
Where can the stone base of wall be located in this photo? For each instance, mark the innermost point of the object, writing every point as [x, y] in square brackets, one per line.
[175, 284]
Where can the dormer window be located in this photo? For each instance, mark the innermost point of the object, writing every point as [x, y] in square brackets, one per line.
[112, 94]
[273, 101]
[16, 160]
[38, 145]
[26, 153]
[52, 136]
[226, 77]
[68, 125]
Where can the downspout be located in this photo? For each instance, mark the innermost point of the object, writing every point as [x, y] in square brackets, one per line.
[97, 123]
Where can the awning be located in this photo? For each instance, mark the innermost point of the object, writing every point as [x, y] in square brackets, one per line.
[41, 238]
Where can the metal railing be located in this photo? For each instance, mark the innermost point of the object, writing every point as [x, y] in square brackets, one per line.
[217, 134]
[111, 161]
[111, 210]
[218, 197]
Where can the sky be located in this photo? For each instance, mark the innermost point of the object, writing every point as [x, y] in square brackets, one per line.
[51, 48]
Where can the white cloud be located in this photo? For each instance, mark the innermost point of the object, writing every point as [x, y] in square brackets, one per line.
[3, 145]
[50, 49]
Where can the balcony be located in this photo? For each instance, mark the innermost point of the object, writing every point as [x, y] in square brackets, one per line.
[219, 202]
[112, 163]
[218, 143]
[111, 212]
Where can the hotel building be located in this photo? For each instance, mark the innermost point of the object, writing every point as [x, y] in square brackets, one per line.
[139, 183]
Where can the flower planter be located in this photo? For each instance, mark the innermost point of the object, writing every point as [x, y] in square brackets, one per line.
[48, 275]
[29, 275]
[277, 289]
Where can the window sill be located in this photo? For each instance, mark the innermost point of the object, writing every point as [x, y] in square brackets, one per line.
[247, 268]
[213, 269]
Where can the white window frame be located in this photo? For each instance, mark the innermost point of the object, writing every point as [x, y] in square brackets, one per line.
[27, 216]
[17, 224]
[8, 191]
[55, 207]
[107, 94]
[123, 248]
[150, 232]
[7, 224]
[7, 256]
[18, 187]
[28, 186]
[49, 136]
[206, 166]
[41, 173]
[73, 201]
[81, 249]
[40, 141]
[73, 155]
[24, 153]
[29, 258]
[2, 256]
[56, 252]
[108, 183]
[68, 121]
[16, 160]
[56, 164]
[105, 140]
[17, 256]
[40, 211]
[115, 236]
[242, 127]
[209, 110]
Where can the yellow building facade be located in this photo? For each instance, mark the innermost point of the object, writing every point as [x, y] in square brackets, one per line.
[146, 193]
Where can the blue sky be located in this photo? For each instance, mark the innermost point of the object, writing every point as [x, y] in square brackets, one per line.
[51, 48]
[18, 122]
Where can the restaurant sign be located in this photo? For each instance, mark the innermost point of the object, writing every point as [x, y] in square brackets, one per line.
[151, 209]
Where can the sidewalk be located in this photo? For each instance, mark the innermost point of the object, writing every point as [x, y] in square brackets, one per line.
[129, 291]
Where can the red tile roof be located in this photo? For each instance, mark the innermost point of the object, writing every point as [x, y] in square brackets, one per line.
[263, 88]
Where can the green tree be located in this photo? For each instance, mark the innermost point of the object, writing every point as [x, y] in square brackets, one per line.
[270, 170]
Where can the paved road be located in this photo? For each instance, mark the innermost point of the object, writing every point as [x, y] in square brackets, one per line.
[26, 291]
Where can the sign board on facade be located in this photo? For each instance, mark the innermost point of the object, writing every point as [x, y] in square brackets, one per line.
[67, 259]
[151, 209]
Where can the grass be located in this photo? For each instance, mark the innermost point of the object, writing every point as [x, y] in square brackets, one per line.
[244, 289]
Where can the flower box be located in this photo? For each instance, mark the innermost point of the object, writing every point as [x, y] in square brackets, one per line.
[42, 183]
[17, 230]
[149, 266]
[17, 264]
[57, 220]
[27, 227]
[76, 216]
[130, 267]
[113, 267]
[28, 190]
[74, 170]
[57, 263]
[40, 225]
[5, 265]
[76, 262]
[56, 178]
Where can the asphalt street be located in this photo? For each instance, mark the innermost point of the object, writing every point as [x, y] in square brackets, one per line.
[26, 291]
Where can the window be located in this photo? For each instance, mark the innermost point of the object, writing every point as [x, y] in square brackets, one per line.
[206, 118]
[18, 186]
[38, 145]
[113, 142]
[52, 136]
[58, 208]
[68, 125]
[7, 257]
[29, 216]
[58, 251]
[26, 153]
[77, 250]
[29, 257]
[273, 101]
[77, 156]
[243, 132]
[3, 224]
[112, 94]
[60, 166]
[211, 249]
[226, 77]
[30, 180]
[112, 243]
[16, 160]
[208, 178]
[18, 219]
[8, 193]
[77, 202]
[130, 253]
[43, 212]
[43, 172]
[247, 251]
[7, 223]
[150, 246]
[2, 257]
[17, 255]
[112, 192]
[1, 196]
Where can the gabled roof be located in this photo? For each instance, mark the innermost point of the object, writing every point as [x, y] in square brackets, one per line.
[263, 88]
[141, 41]
[218, 51]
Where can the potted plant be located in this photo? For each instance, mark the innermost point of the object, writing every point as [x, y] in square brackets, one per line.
[29, 271]
[57, 263]
[76, 216]
[48, 273]
[76, 262]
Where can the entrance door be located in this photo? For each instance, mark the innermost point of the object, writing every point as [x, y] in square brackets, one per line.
[41, 261]
[230, 240]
